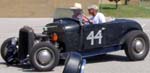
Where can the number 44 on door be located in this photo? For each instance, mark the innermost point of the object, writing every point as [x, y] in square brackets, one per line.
[93, 37]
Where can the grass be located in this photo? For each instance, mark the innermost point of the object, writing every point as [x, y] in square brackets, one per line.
[125, 11]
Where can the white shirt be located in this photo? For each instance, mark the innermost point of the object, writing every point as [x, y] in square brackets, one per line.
[99, 18]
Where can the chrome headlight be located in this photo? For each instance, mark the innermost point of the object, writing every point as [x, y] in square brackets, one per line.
[45, 29]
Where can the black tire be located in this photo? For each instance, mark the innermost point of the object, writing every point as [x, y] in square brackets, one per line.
[136, 45]
[53, 54]
[12, 52]
[73, 63]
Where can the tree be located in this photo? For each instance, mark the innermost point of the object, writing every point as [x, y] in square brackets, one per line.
[116, 1]
[126, 2]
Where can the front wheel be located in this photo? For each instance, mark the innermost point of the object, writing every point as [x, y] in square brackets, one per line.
[44, 56]
[74, 63]
[136, 45]
[9, 50]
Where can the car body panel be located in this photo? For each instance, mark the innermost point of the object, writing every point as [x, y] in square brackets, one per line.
[69, 33]
[74, 36]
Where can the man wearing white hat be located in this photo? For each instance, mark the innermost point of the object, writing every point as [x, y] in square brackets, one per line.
[97, 17]
[78, 13]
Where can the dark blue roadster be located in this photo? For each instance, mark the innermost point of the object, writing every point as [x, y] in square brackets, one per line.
[66, 34]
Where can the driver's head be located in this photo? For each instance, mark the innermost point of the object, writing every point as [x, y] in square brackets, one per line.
[93, 9]
[77, 9]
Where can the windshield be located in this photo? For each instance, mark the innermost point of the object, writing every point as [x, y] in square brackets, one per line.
[67, 13]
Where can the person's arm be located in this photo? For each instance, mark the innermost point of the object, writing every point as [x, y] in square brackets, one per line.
[85, 18]
[88, 20]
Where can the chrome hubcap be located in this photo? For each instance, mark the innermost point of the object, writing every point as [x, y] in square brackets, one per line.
[44, 57]
[139, 45]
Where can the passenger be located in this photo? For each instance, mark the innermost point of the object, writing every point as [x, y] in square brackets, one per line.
[96, 17]
[78, 13]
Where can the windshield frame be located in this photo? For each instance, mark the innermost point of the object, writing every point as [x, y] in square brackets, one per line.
[65, 13]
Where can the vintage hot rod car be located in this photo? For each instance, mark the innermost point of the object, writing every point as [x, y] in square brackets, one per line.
[67, 34]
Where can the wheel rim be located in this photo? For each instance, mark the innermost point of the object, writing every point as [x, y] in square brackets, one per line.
[44, 57]
[83, 66]
[139, 45]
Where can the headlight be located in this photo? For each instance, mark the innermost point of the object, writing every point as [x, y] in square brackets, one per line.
[45, 29]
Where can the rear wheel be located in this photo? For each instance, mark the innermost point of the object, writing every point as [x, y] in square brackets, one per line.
[44, 56]
[136, 45]
[9, 50]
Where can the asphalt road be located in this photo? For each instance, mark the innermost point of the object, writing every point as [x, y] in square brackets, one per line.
[115, 62]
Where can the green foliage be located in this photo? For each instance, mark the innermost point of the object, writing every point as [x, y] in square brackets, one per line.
[125, 11]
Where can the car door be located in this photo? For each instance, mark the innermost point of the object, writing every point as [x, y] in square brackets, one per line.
[93, 36]
[102, 35]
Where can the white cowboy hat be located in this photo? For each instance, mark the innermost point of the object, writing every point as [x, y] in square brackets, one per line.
[93, 7]
[76, 6]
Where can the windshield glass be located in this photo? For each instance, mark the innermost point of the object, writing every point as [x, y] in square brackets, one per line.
[67, 13]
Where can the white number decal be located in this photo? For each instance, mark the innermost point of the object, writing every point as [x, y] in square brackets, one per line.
[91, 37]
[97, 36]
